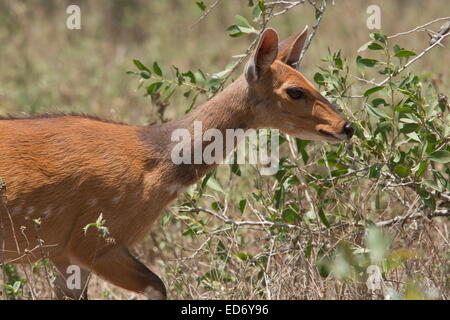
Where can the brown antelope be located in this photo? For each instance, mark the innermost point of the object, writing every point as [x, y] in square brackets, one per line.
[64, 170]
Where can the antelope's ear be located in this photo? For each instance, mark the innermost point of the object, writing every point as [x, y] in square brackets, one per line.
[290, 49]
[265, 54]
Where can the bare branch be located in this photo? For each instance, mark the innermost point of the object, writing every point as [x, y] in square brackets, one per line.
[410, 62]
[207, 12]
[314, 30]
[264, 223]
[416, 215]
[419, 28]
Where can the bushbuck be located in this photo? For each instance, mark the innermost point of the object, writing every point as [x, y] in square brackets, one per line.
[62, 171]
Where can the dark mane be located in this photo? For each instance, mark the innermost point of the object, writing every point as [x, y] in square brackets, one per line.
[57, 115]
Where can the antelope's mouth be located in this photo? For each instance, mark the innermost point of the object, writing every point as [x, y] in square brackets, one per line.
[331, 137]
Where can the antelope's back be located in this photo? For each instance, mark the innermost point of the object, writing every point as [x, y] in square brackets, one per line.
[63, 171]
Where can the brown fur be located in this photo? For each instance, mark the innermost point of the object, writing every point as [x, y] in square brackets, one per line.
[66, 170]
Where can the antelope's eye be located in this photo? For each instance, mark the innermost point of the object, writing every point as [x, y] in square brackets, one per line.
[295, 93]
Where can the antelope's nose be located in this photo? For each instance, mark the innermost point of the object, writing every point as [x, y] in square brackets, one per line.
[348, 130]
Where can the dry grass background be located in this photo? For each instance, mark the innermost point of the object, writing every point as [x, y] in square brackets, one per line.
[45, 67]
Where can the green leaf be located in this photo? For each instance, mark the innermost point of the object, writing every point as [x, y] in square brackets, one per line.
[140, 65]
[157, 69]
[214, 184]
[409, 127]
[376, 112]
[256, 13]
[16, 286]
[441, 156]
[243, 21]
[318, 78]
[413, 136]
[377, 101]
[301, 146]
[375, 170]
[145, 75]
[261, 5]
[378, 36]
[218, 275]
[308, 249]
[151, 89]
[421, 168]
[402, 171]
[432, 184]
[236, 31]
[375, 46]
[236, 169]
[222, 251]
[201, 5]
[290, 216]
[373, 90]
[323, 218]
[190, 75]
[405, 53]
[364, 46]
[367, 62]
[242, 205]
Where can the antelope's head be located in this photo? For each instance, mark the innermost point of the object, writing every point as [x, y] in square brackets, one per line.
[282, 98]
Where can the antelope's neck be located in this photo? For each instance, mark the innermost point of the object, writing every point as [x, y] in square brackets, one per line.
[227, 110]
[230, 109]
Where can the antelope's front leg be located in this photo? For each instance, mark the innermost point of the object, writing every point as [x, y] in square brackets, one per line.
[118, 266]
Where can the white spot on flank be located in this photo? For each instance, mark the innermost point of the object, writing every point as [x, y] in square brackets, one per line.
[30, 210]
[92, 202]
[176, 188]
[116, 199]
[47, 212]
[279, 104]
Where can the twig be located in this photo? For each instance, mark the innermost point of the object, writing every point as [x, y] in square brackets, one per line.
[226, 220]
[415, 59]
[314, 30]
[416, 215]
[204, 243]
[418, 28]
[249, 49]
[288, 7]
[445, 28]
[206, 13]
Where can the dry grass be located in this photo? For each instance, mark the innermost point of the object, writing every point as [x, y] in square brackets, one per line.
[45, 67]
